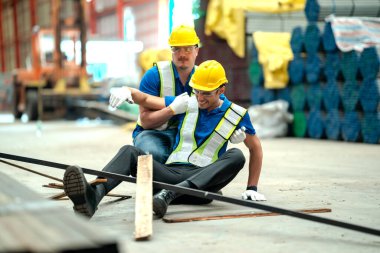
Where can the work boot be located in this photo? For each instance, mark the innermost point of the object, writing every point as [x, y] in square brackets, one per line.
[84, 196]
[192, 200]
[161, 202]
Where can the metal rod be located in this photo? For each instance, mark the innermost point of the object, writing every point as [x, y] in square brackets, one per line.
[203, 194]
[33, 171]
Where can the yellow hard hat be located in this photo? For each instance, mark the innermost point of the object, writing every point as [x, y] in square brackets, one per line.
[208, 76]
[183, 36]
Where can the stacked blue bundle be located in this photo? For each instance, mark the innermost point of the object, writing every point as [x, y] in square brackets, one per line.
[254, 52]
[369, 95]
[315, 124]
[255, 73]
[332, 124]
[256, 95]
[297, 40]
[331, 95]
[313, 68]
[350, 95]
[328, 39]
[371, 127]
[349, 65]
[351, 126]
[298, 97]
[312, 10]
[347, 89]
[312, 39]
[296, 70]
[369, 63]
[314, 96]
[299, 124]
[268, 95]
[284, 94]
[332, 66]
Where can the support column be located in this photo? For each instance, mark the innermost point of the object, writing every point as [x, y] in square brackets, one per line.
[17, 39]
[92, 17]
[2, 51]
[119, 13]
[33, 23]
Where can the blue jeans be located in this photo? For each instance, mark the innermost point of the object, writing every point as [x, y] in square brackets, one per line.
[157, 143]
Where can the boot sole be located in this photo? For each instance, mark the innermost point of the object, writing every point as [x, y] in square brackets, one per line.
[159, 207]
[75, 188]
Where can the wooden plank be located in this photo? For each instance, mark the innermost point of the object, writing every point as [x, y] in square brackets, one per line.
[241, 215]
[144, 198]
[60, 186]
[94, 182]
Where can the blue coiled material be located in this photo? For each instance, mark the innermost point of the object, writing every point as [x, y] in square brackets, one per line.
[331, 95]
[332, 124]
[315, 124]
[351, 126]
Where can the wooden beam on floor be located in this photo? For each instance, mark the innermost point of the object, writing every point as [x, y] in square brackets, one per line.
[144, 198]
[242, 215]
[93, 182]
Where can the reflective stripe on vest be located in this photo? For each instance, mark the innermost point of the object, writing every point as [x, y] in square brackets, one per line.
[165, 71]
[187, 150]
[167, 85]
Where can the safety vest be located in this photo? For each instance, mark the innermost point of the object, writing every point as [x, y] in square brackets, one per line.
[167, 87]
[165, 70]
[207, 153]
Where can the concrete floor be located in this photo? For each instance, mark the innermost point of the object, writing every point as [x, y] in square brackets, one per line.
[297, 174]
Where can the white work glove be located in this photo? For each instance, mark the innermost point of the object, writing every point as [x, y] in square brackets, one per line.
[119, 95]
[253, 195]
[238, 136]
[180, 103]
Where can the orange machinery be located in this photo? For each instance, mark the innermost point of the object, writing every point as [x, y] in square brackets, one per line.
[58, 69]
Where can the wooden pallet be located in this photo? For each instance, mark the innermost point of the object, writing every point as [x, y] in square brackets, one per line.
[30, 223]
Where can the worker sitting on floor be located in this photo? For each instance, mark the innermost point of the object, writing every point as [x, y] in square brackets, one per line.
[200, 159]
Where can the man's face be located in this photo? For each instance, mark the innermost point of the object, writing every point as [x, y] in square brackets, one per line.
[184, 56]
[208, 99]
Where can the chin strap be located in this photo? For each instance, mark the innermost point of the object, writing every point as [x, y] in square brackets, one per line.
[201, 194]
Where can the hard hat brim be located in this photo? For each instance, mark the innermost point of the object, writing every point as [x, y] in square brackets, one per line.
[183, 45]
[202, 88]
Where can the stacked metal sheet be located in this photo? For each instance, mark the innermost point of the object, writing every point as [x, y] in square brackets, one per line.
[29, 223]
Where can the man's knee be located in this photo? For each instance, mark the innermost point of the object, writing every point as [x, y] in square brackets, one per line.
[129, 149]
[146, 140]
[236, 157]
[125, 148]
[142, 137]
[154, 144]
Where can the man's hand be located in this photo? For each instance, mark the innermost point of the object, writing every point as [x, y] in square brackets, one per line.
[238, 136]
[119, 95]
[180, 103]
[253, 195]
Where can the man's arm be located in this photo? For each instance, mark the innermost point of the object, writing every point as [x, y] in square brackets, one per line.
[154, 118]
[159, 113]
[255, 159]
[131, 95]
[147, 101]
[255, 163]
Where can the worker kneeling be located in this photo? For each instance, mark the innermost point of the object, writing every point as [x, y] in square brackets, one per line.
[200, 159]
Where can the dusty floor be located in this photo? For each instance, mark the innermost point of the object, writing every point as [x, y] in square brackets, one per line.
[297, 174]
